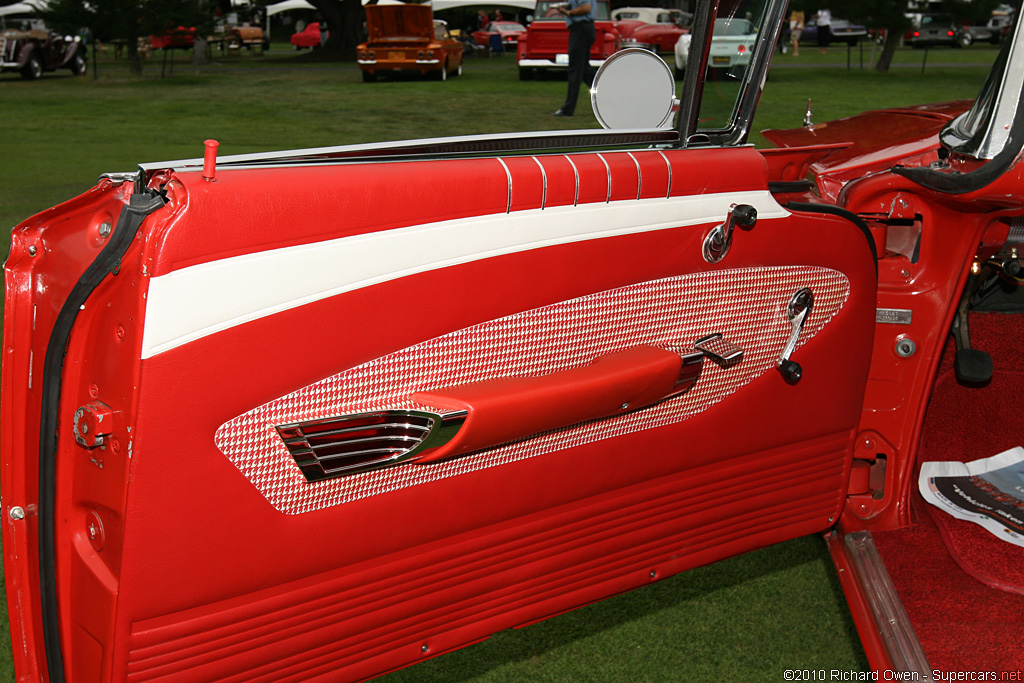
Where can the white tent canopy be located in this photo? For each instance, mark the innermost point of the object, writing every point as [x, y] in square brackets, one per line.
[483, 4]
[26, 7]
[288, 5]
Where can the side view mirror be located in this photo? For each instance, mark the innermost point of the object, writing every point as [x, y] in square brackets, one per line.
[634, 88]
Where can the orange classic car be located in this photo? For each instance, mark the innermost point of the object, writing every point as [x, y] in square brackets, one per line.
[407, 38]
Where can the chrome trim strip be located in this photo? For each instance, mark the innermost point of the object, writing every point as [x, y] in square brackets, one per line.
[544, 180]
[466, 145]
[639, 175]
[668, 190]
[508, 174]
[608, 169]
[575, 172]
[894, 626]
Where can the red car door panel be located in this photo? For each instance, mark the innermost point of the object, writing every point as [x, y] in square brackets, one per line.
[275, 297]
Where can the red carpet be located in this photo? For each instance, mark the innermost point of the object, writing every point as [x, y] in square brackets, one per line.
[999, 426]
[961, 586]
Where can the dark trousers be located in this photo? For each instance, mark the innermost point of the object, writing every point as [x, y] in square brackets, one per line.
[824, 36]
[581, 37]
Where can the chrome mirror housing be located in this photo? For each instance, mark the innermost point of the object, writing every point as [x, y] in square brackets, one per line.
[634, 89]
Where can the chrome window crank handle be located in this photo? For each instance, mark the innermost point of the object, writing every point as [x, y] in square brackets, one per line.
[718, 241]
[799, 308]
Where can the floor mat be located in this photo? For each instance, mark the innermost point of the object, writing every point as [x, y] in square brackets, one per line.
[963, 623]
[992, 424]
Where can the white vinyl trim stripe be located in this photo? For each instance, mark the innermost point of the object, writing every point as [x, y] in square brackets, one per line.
[193, 302]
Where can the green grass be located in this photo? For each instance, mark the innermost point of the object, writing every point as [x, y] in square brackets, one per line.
[748, 618]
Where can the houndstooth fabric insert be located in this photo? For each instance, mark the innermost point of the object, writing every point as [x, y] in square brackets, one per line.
[748, 306]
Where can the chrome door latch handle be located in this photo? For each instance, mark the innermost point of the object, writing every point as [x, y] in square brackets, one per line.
[723, 352]
[718, 241]
[798, 309]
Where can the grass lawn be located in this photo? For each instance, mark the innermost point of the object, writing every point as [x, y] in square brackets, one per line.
[748, 618]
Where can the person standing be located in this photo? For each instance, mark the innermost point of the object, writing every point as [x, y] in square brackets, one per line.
[796, 29]
[579, 18]
[824, 30]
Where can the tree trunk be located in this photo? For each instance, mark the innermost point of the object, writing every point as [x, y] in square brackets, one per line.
[892, 41]
[134, 60]
[200, 51]
[345, 26]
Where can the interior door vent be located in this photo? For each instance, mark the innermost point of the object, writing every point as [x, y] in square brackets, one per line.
[350, 444]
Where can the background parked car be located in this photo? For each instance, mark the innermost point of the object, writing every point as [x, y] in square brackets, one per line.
[508, 30]
[307, 38]
[940, 29]
[731, 45]
[651, 28]
[30, 48]
[545, 45]
[843, 31]
[407, 38]
[653, 15]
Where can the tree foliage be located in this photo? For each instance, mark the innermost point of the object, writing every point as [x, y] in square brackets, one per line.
[128, 20]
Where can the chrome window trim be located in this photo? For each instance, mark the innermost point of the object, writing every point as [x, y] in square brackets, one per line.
[993, 134]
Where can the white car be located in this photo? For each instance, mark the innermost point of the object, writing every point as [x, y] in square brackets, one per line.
[653, 15]
[731, 45]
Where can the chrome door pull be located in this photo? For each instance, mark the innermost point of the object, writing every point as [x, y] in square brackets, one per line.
[718, 241]
[720, 350]
[799, 308]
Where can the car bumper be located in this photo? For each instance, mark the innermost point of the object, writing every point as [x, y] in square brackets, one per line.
[552, 64]
[416, 64]
[727, 61]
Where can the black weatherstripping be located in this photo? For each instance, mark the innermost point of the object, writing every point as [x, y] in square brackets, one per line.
[842, 213]
[787, 186]
[108, 261]
[953, 182]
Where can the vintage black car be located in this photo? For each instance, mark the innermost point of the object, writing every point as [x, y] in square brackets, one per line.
[30, 48]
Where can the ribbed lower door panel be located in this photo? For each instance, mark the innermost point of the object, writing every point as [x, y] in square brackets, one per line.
[359, 620]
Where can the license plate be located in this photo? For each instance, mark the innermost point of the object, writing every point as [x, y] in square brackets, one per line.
[396, 55]
[562, 59]
[720, 60]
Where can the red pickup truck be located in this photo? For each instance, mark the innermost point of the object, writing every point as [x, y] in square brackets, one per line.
[545, 45]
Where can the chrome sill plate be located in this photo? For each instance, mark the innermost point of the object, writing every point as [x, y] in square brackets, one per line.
[891, 619]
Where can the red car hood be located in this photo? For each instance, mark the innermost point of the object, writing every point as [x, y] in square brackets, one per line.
[883, 133]
[400, 23]
[872, 141]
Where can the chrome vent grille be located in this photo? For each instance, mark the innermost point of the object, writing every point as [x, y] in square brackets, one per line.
[350, 444]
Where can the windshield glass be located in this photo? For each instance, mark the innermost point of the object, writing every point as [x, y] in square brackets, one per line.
[733, 44]
[733, 27]
[936, 20]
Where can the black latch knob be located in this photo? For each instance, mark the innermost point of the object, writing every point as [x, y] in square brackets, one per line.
[791, 371]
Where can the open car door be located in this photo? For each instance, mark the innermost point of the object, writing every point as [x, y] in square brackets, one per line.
[320, 415]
